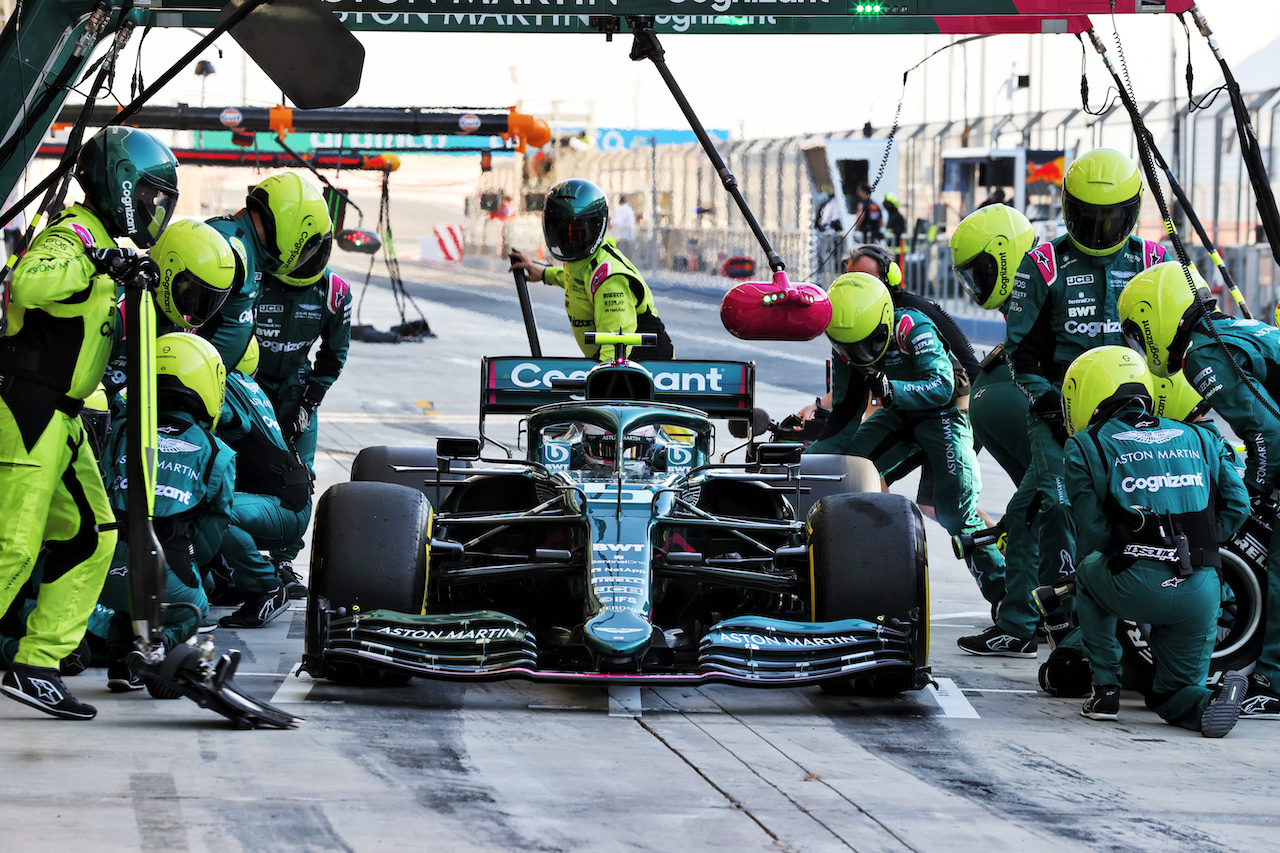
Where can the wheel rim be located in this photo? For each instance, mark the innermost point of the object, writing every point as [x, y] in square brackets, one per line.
[1240, 584]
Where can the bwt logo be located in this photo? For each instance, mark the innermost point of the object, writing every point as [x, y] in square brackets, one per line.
[555, 454]
[530, 375]
[679, 456]
[614, 548]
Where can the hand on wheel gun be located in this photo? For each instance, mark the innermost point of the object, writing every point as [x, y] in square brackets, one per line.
[125, 266]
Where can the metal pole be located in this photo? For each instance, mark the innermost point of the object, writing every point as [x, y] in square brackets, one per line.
[526, 311]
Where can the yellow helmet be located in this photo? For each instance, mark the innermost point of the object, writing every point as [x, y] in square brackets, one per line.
[1099, 381]
[190, 376]
[861, 318]
[295, 219]
[249, 361]
[1157, 313]
[1101, 197]
[986, 248]
[198, 269]
[1175, 398]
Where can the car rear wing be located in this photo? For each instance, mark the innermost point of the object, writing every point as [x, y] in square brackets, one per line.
[516, 385]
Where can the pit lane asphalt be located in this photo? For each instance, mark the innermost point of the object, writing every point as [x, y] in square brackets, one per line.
[985, 763]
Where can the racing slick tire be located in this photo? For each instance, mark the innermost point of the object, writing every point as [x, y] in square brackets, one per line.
[369, 550]
[868, 558]
[404, 464]
[859, 476]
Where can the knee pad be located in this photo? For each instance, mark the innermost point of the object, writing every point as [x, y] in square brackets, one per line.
[1065, 674]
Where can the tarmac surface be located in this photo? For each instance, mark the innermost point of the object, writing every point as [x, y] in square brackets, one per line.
[982, 762]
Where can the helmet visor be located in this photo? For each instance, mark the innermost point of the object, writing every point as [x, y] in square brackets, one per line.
[1099, 226]
[314, 257]
[153, 205]
[978, 276]
[196, 299]
[1133, 336]
[573, 238]
[866, 351]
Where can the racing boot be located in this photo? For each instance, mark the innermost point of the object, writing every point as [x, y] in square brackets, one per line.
[1224, 708]
[1262, 702]
[41, 687]
[258, 612]
[995, 641]
[290, 581]
[1104, 704]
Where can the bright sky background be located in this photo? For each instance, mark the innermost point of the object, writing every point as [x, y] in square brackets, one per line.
[751, 85]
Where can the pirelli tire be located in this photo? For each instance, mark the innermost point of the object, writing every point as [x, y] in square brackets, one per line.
[857, 475]
[369, 551]
[408, 465]
[868, 561]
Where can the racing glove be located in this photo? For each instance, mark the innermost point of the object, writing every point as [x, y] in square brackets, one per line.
[125, 266]
[295, 426]
[880, 386]
[1048, 407]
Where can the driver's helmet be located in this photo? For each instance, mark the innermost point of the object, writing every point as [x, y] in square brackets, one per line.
[190, 376]
[198, 270]
[1176, 399]
[1102, 380]
[574, 219]
[1101, 196]
[295, 219]
[131, 180]
[986, 249]
[599, 448]
[861, 318]
[1158, 311]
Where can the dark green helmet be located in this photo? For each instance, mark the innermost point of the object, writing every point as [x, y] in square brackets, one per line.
[574, 219]
[131, 179]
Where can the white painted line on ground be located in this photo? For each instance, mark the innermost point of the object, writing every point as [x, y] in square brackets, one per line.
[951, 700]
[294, 688]
[624, 702]
[968, 614]
[989, 690]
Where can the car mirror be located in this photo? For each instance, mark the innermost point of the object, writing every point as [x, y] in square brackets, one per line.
[458, 448]
[779, 453]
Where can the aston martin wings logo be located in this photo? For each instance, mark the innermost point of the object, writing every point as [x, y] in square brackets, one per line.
[1158, 436]
[175, 445]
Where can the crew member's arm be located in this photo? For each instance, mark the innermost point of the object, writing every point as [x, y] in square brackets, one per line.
[933, 380]
[615, 310]
[535, 271]
[53, 269]
[1215, 380]
[1026, 332]
[1087, 494]
[335, 340]
[1232, 498]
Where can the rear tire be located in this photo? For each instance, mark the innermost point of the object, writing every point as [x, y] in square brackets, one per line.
[859, 476]
[869, 562]
[369, 551]
[404, 464]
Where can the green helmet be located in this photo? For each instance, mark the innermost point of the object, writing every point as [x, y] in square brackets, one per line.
[1101, 196]
[986, 248]
[890, 198]
[1100, 381]
[574, 219]
[249, 361]
[1175, 398]
[1157, 313]
[190, 376]
[861, 318]
[295, 222]
[198, 269]
[131, 179]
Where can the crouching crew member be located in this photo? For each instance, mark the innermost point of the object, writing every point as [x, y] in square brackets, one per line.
[273, 499]
[1240, 379]
[1153, 497]
[903, 360]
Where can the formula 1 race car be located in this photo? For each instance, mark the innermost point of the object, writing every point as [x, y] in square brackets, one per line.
[619, 550]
